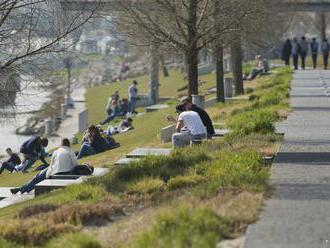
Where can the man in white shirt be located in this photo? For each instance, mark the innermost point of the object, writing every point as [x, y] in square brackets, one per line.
[132, 97]
[189, 127]
[63, 162]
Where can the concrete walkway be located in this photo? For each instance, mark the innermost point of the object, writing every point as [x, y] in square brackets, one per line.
[70, 126]
[298, 213]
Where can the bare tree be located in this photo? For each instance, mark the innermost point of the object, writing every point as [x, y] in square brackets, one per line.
[31, 30]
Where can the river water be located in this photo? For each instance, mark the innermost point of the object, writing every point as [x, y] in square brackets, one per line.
[31, 98]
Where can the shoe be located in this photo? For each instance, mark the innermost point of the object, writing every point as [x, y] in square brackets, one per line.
[14, 191]
[25, 171]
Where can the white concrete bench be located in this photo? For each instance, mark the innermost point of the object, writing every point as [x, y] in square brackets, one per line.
[166, 133]
[50, 184]
[142, 152]
[156, 107]
[221, 132]
[125, 161]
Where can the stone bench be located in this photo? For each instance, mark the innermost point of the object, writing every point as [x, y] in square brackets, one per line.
[14, 199]
[156, 107]
[166, 133]
[60, 181]
[50, 184]
[142, 152]
[125, 161]
[221, 132]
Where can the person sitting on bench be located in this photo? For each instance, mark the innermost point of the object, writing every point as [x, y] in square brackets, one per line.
[93, 143]
[32, 149]
[202, 114]
[63, 162]
[11, 162]
[189, 127]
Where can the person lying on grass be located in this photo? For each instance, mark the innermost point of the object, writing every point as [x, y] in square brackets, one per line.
[189, 127]
[124, 126]
[10, 164]
[63, 162]
[32, 150]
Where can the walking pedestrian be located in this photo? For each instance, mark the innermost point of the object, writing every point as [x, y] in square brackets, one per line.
[303, 51]
[286, 52]
[325, 52]
[295, 52]
[314, 51]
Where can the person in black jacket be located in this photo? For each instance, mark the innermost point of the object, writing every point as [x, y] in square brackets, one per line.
[202, 114]
[11, 162]
[286, 52]
[32, 149]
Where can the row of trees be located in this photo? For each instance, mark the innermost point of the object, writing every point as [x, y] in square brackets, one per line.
[188, 26]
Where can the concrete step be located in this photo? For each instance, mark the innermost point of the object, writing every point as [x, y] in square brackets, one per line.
[142, 152]
[156, 107]
[125, 161]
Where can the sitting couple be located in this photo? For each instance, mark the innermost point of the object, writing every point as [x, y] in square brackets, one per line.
[189, 127]
[94, 143]
[63, 162]
[32, 150]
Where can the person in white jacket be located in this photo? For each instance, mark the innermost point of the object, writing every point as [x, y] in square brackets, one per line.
[63, 162]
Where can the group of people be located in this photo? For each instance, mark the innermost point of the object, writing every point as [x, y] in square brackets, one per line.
[117, 107]
[64, 160]
[192, 124]
[299, 49]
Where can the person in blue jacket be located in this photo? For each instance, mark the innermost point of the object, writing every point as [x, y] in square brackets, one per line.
[32, 150]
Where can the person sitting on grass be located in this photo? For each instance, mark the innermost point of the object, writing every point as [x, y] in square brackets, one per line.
[115, 111]
[63, 162]
[11, 162]
[189, 127]
[93, 143]
[202, 114]
[124, 106]
[32, 150]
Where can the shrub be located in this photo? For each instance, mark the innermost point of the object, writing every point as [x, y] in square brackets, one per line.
[185, 181]
[145, 186]
[242, 169]
[153, 166]
[185, 228]
[85, 193]
[77, 214]
[37, 209]
[258, 121]
[32, 231]
[74, 240]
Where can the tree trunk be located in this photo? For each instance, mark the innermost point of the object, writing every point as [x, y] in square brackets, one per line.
[323, 26]
[165, 71]
[237, 61]
[192, 50]
[218, 58]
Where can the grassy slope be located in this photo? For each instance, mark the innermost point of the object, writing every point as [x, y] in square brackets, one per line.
[148, 137]
[97, 98]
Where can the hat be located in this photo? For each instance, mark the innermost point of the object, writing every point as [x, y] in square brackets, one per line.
[180, 108]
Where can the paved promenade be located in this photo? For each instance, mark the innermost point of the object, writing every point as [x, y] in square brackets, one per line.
[298, 213]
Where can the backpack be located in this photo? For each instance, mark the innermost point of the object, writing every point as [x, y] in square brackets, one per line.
[84, 170]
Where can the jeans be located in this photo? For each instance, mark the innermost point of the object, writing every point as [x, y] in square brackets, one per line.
[303, 59]
[108, 119]
[29, 160]
[314, 58]
[37, 179]
[85, 150]
[325, 60]
[295, 61]
[132, 104]
[184, 139]
[8, 166]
